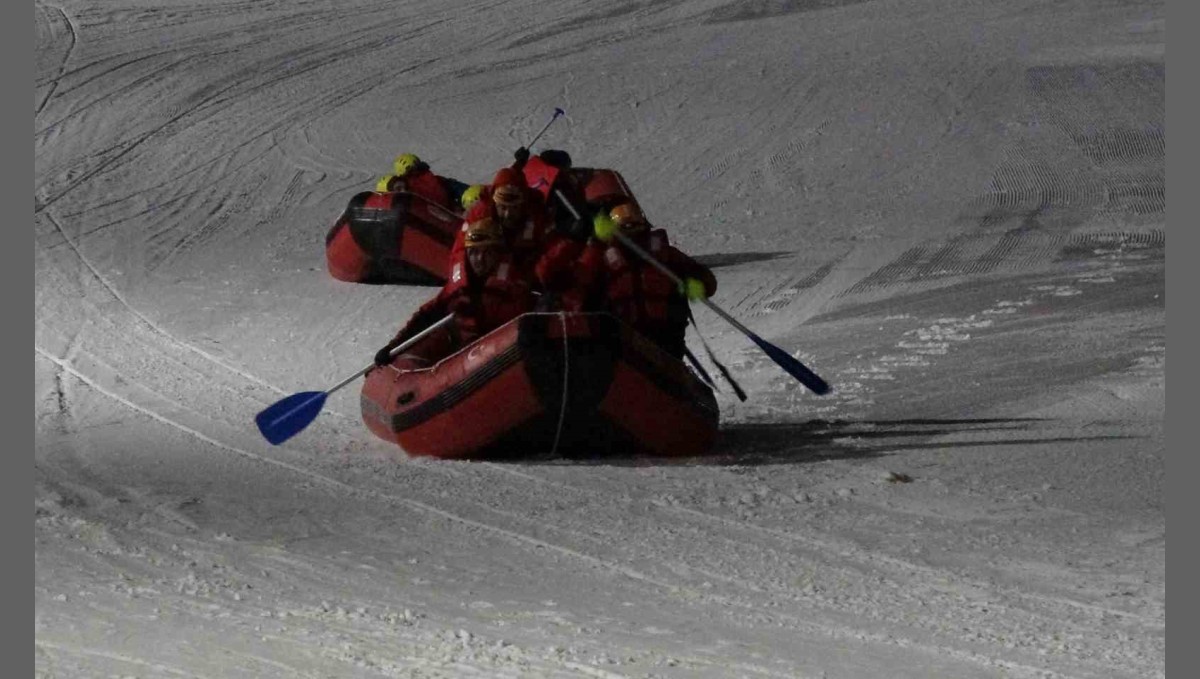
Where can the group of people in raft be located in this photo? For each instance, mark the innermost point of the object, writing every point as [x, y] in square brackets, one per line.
[519, 252]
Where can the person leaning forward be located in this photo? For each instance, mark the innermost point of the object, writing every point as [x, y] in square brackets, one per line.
[413, 175]
[520, 214]
[634, 290]
[485, 290]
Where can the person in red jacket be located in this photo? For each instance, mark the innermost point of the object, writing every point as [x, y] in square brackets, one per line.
[568, 273]
[521, 215]
[411, 174]
[634, 290]
[484, 291]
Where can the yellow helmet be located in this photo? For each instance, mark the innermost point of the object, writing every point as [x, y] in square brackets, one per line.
[381, 186]
[483, 233]
[471, 196]
[404, 163]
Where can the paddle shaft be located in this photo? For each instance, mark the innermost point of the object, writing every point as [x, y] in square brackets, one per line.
[557, 112]
[401, 347]
[641, 252]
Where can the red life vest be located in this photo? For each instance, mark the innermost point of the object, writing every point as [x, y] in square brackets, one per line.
[569, 270]
[526, 242]
[480, 307]
[637, 292]
[540, 177]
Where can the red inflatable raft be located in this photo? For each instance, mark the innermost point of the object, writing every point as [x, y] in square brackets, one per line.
[571, 384]
[391, 238]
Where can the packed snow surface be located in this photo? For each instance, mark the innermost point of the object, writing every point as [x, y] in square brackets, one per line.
[953, 211]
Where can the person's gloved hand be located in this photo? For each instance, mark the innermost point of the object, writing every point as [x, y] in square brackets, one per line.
[693, 289]
[556, 157]
[603, 227]
[383, 356]
[521, 155]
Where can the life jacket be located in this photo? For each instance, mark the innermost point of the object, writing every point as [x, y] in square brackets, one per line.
[540, 177]
[636, 291]
[480, 307]
[525, 243]
[568, 273]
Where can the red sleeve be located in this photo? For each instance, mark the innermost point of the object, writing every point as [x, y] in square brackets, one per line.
[590, 266]
[553, 268]
[430, 312]
[686, 267]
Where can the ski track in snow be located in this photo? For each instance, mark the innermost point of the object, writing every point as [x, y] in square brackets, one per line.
[62, 69]
[824, 629]
[511, 535]
[141, 317]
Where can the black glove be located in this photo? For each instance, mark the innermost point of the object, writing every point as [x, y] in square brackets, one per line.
[579, 230]
[521, 155]
[384, 356]
[557, 158]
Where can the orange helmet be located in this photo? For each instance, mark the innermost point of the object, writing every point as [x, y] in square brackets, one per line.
[507, 175]
[507, 188]
[629, 218]
[483, 232]
[508, 195]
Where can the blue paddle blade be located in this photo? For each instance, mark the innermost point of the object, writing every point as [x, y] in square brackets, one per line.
[287, 417]
[794, 368]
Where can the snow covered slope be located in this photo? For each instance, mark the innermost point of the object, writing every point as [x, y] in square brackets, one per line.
[952, 211]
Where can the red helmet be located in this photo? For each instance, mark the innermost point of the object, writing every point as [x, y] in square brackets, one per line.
[507, 176]
[508, 188]
[508, 195]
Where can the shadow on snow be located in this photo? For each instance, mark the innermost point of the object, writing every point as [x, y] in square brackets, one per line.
[751, 444]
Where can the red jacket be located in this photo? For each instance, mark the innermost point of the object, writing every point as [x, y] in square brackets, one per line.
[479, 306]
[526, 243]
[636, 291]
[568, 270]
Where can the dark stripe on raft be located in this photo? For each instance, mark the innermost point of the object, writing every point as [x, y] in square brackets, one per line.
[380, 230]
